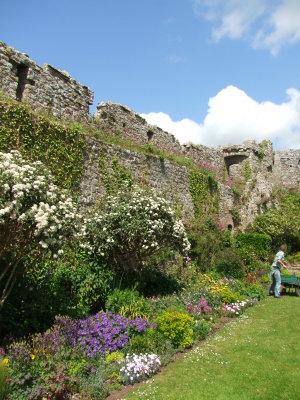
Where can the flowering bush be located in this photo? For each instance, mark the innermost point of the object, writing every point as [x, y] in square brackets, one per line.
[139, 367]
[34, 213]
[131, 226]
[177, 327]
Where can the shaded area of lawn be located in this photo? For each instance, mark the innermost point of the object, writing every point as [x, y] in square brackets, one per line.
[257, 356]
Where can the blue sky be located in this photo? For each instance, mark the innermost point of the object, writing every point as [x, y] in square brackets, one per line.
[213, 72]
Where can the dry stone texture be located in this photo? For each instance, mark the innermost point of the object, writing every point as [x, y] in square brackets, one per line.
[46, 88]
[247, 173]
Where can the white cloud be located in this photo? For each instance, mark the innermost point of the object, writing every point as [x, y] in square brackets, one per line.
[284, 24]
[269, 24]
[233, 117]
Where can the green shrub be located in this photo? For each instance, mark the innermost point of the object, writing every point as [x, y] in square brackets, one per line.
[282, 224]
[229, 264]
[93, 387]
[253, 246]
[206, 241]
[177, 327]
[202, 328]
[151, 341]
[228, 295]
[254, 291]
[76, 285]
[127, 302]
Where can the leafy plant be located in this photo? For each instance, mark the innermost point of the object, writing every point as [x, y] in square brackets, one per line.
[202, 329]
[229, 264]
[282, 224]
[177, 327]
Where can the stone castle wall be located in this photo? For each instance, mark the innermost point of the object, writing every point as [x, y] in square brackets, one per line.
[127, 123]
[247, 173]
[46, 88]
[287, 169]
[165, 177]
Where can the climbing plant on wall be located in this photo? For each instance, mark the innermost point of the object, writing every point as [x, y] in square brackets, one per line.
[204, 191]
[37, 137]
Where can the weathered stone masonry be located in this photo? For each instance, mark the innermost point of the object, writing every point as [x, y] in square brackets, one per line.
[46, 88]
[254, 169]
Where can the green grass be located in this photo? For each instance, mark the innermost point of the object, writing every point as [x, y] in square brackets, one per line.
[257, 356]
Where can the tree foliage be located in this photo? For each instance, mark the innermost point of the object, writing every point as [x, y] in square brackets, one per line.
[282, 224]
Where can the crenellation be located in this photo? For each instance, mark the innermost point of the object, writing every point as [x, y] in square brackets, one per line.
[247, 173]
[121, 120]
[46, 88]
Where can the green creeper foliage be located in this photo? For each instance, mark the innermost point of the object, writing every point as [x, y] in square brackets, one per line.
[282, 224]
[37, 137]
[204, 192]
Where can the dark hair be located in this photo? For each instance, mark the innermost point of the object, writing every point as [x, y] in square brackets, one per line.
[283, 247]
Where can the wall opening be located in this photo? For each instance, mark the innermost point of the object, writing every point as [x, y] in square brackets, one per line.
[150, 135]
[22, 72]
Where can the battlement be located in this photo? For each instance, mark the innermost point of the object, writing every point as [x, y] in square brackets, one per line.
[247, 173]
[43, 87]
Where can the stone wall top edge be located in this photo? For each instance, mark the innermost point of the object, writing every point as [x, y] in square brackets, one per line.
[23, 57]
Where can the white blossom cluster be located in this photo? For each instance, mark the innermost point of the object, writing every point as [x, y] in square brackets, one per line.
[139, 367]
[31, 202]
[137, 221]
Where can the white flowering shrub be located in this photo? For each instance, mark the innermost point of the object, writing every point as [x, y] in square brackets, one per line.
[131, 226]
[34, 213]
[138, 367]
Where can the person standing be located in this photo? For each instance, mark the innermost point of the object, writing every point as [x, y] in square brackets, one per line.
[276, 266]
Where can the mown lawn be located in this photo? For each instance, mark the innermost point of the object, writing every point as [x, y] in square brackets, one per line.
[256, 356]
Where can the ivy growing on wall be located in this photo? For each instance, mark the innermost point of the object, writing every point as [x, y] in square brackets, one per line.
[38, 137]
[204, 191]
[247, 170]
[115, 177]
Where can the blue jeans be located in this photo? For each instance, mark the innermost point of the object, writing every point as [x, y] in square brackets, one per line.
[276, 282]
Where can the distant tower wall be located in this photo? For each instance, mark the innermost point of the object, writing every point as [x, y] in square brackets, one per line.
[45, 88]
[287, 169]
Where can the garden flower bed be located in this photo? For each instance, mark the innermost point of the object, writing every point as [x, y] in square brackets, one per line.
[92, 356]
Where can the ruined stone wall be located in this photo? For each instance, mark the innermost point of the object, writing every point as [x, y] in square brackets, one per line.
[166, 177]
[287, 169]
[45, 88]
[206, 157]
[247, 173]
[121, 120]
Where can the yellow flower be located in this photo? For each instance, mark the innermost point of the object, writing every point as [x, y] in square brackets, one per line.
[5, 362]
[32, 356]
